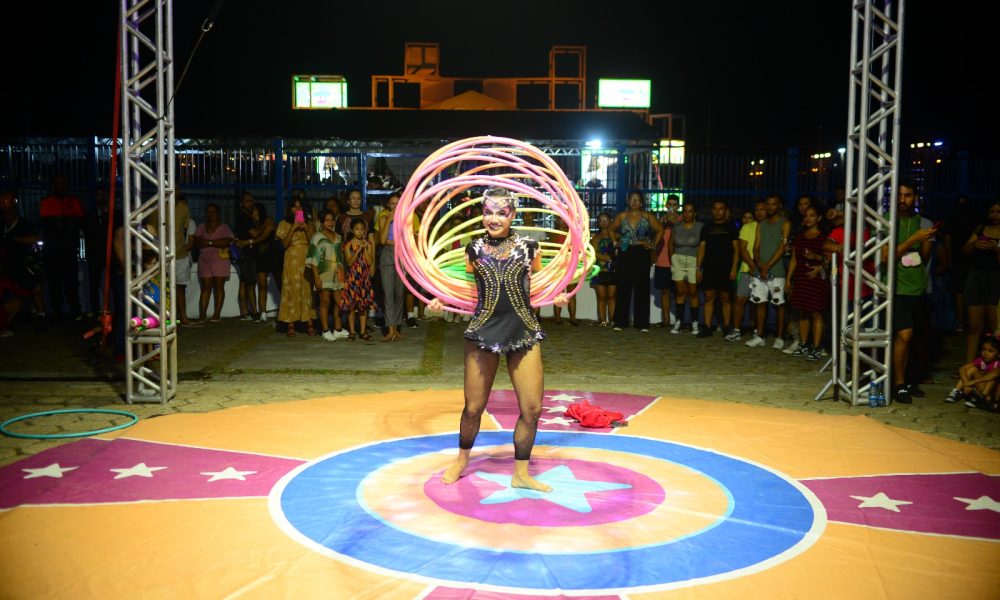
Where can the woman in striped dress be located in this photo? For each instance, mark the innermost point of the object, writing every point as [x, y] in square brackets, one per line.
[807, 284]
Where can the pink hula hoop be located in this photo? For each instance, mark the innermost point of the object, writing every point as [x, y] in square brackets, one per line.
[421, 256]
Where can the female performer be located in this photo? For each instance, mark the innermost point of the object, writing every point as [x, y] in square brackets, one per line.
[503, 323]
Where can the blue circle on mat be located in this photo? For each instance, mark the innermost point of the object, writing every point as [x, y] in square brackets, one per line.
[769, 516]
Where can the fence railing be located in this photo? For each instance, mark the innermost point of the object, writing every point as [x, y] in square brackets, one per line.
[216, 171]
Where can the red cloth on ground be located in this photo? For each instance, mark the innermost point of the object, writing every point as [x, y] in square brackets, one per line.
[593, 416]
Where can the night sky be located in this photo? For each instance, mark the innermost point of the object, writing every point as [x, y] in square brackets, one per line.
[745, 74]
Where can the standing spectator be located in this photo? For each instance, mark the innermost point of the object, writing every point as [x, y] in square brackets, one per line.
[246, 267]
[393, 290]
[683, 244]
[184, 229]
[913, 249]
[672, 208]
[604, 282]
[18, 251]
[358, 296]
[748, 266]
[982, 285]
[769, 282]
[327, 263]
[184, 240]
[296, 293]
[662, 279]
[213, 238]
[807, 286]
[560, 238]
[62, 217]
[957, 229]
[718, 257]
[353, 211]
[95, 235]
[637, 231]
[270, 257]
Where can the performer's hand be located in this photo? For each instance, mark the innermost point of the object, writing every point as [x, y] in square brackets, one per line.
[435, 305]
[561, 300]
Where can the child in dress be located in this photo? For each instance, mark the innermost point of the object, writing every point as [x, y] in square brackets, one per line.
[359, 294]
[977, 381]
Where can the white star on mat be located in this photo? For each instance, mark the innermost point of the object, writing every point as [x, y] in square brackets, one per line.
[562, 398]
[556, 409]
[557, 421]
[228, 473]
[53, 470]
[139, 470]
[880, 500]
[981, 503]
[567, 491]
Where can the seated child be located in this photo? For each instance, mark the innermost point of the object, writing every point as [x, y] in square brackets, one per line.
[977, 381]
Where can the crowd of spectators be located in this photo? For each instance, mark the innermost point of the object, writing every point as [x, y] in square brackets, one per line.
[753, 275]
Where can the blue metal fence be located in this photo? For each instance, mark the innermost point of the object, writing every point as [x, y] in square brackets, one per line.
[218, 170]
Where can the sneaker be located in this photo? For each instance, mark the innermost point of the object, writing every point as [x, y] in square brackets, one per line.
[778, 343]
[673, 318]
[411, 322]
[972, 401]
[902, 395]
[616, 328]
[643, 331]
[696, 328]
[733, 336]
[756, 341]
[343, 334]
[328, 336]
[705, 333]
[246, 317]
[812, 354]
[954, 396]
[795, 348]
[676, 328]
[915, 391]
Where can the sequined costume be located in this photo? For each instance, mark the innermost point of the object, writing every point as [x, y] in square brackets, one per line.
[504, 320]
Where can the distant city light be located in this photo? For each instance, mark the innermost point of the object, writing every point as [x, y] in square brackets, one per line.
[939, 143]
[920, 144]
[841, 150]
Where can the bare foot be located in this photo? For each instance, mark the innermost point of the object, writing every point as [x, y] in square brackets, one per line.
[453, 472]
[529, 482]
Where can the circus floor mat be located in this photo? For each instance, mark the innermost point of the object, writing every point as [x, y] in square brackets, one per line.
[340, 497]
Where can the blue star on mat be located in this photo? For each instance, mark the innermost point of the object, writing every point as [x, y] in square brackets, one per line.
[567, 491]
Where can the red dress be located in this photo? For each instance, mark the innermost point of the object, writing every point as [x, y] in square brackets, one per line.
[809, 294]
[358, 294]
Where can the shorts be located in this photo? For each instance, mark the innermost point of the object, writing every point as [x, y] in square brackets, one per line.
[982, 288]
[716, 279]
[247, 267]
[773, 289]
[182, 270]
[213, 268]
[662, 278]
[605, 278]
[743, 284]
[684, 268]
[908, 312]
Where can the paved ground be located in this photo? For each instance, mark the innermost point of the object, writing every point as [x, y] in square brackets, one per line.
[235, 363]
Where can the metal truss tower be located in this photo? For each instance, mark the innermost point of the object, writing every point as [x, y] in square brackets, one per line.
[863, 325]
[146, 28]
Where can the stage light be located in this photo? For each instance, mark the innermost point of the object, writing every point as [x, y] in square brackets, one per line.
[595, 144]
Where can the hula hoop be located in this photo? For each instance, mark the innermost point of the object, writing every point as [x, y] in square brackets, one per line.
[425, 259]
[53, 436]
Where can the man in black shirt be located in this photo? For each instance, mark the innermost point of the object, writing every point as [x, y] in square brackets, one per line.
[18, 250]
[718, 257]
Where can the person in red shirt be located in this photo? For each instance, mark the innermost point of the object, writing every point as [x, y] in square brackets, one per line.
[61, 217]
